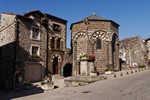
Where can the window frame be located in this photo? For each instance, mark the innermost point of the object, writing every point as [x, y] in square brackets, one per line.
[56, 25]
[32, 33]
[52, 43]
[58, 43]
[31, 48]
[97, 43]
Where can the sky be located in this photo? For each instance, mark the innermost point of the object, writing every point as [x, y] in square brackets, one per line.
[133, 16]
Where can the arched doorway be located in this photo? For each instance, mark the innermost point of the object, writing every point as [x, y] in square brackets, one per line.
[67, 70]
[55, 65]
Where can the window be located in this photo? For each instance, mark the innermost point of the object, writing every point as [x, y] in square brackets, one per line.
[58, 43]
[52, 42]
[98, 44]
[56, 28]
[35, 50]
[35, 33]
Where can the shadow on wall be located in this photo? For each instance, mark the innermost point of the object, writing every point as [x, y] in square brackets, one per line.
[7, 62]
[9, 68]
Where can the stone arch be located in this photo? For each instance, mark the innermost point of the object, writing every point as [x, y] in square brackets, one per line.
[80, 41]
[77, 35]
[57, 55]
[97, 39]
[100, 34]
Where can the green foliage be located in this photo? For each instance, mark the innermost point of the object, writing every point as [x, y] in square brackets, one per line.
[42, 83]
[141, 66]
[35, 56]
[109, 67]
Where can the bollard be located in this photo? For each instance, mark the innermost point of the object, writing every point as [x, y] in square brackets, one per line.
[127, 73]
[131, 72]
[135, 71]
[142, 69]
[121, 74]
[139, 70]
[115, 75]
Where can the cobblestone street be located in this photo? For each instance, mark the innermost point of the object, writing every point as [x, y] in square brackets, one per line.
[128, 87]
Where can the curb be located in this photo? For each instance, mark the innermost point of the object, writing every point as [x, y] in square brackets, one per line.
[130, 72]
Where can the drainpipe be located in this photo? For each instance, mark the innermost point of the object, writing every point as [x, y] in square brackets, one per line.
[46, 46]
[47, 51]
[16, 47]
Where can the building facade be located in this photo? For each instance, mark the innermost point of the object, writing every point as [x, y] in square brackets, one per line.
[97, 36]
[147, 41]
[133, 52]
[30, 44]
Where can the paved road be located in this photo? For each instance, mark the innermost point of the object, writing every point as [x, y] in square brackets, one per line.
[132, 87]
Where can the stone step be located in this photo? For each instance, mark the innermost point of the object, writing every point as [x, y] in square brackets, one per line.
[57, 77]
[82, 80]
[58, 81]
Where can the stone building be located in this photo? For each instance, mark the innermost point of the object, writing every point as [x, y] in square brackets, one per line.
[147, 41]
[34, 44]
[30, 44]
[97, 36]
[133, 51]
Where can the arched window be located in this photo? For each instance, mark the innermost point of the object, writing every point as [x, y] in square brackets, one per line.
[98, 43]
[58, 43]
[52, 42]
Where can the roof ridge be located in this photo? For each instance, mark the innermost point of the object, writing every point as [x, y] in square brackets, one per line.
[130, 37]
[94, 17]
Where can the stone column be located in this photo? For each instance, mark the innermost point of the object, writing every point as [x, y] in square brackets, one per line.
[110, 51]
[117, 57]
[75, 58]
[93, 47]
[108, 56]
[51, 66]
[59, 67]
[61, 44]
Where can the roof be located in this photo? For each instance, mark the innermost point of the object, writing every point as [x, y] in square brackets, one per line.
[54, 17]
[9, 13]
[130, 38]
[35, 11]
[147, 39]
[94, 17]
[43, 14]
[25, 16]
[17, 15]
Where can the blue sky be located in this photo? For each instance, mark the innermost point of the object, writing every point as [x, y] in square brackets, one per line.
[133, 16]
